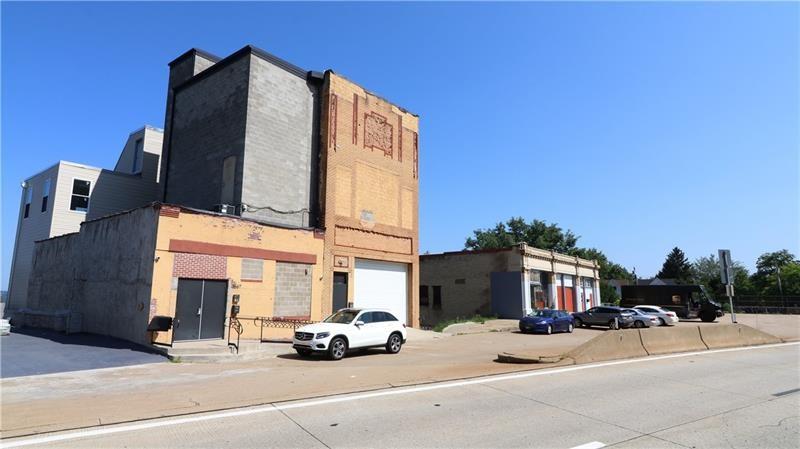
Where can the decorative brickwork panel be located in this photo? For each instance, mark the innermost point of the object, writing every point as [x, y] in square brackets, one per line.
[292, 289]
[332, 121]
[200, 266]
[252, 269]
[416, 155]
[378, 133]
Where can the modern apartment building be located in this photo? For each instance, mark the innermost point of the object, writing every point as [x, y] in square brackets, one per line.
[58, 199]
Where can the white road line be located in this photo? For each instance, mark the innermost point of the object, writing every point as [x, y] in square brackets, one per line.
[592, 445]
[355, 397]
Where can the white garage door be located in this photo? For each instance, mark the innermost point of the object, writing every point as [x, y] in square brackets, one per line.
[382, 285]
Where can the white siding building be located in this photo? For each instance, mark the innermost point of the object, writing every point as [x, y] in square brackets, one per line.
[58, 199]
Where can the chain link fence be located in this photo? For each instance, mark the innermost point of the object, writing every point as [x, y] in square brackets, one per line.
[786, 305]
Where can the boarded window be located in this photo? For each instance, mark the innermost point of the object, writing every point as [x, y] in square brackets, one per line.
[138, 155]
[228, 180]
[437, 297]
[292, 290]
[423, 295]
[252, 269]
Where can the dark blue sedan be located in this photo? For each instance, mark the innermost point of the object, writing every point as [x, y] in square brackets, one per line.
[547, 321]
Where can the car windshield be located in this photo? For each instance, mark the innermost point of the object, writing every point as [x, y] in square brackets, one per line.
[543, 313]
[342, 317]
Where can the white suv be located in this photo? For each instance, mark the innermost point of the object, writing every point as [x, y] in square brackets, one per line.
[351, 329]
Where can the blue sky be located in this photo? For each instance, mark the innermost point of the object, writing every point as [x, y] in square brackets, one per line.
[638, 126]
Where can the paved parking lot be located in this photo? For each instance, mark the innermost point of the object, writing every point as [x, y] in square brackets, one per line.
[26, 352]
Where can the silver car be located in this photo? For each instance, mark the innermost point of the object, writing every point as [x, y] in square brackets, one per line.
[641, 319]
[665, 317]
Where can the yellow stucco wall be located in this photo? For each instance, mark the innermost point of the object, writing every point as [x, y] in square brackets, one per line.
[256, 298]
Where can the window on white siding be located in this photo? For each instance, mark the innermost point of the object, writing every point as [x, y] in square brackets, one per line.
[80, 195]
[252, 269]
[138, 154]
[45, 195]
[28, 199]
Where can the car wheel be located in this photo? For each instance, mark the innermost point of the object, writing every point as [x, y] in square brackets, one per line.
[708, 317]
[639, 324]
[570, 328]
[661, 322]
[579, 322]
[304, 352]
[337, 349]
[613, 325]
[549, 329]
[394, 344]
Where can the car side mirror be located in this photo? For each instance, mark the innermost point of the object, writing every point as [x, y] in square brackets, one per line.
[359, 323]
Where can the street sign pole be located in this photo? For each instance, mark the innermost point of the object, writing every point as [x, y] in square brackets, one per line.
[727, 275]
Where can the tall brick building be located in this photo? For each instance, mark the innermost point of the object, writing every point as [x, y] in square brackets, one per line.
[258, 137]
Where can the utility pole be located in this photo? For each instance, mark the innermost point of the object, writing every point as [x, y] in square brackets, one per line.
[780, 287]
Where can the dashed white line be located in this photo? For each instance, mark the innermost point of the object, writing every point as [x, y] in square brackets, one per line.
[592, 445]
[355, 397]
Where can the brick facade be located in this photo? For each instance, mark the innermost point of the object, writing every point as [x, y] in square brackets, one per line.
[200, 266]
[369, 191]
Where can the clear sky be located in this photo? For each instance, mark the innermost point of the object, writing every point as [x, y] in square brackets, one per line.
[638, 126]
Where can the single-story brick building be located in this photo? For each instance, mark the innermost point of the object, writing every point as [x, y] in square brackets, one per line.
[507, 282]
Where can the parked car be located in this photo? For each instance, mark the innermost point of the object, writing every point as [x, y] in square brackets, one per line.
[687, 301]
[665, 317]
[641, 319]
[547, 321]
[611, 316]
[351, 329]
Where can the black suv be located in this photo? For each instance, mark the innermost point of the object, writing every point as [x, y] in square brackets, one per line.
[611, 316]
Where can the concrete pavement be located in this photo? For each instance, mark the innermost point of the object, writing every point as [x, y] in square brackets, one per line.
[741, 398]
[71, 400]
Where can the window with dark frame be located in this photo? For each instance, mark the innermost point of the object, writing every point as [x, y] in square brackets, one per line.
[423, 295]
[80, 195]
[437, 296]
[28, 199]
[45, 195]
[138, 155]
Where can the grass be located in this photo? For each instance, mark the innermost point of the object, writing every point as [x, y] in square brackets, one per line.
[474, 319]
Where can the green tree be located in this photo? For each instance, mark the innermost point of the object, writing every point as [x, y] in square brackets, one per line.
[676, 266]
[516, 230]
[705, 271]
[765, 279]
[608, 294]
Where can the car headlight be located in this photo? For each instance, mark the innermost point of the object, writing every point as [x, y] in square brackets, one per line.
[323, 335]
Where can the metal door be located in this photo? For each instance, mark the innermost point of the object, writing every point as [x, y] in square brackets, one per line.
[339, 291]
[188, 310]
[200, 311]
[212, 320]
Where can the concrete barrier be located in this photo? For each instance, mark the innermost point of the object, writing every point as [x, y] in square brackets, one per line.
[610, 345]
[733, 335]
[630, 343]
[666, 340]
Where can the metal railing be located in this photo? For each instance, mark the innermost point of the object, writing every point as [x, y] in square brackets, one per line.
[262, 322]
[235, 326]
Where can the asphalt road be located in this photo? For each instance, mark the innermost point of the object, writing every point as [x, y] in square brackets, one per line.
[731, 398]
